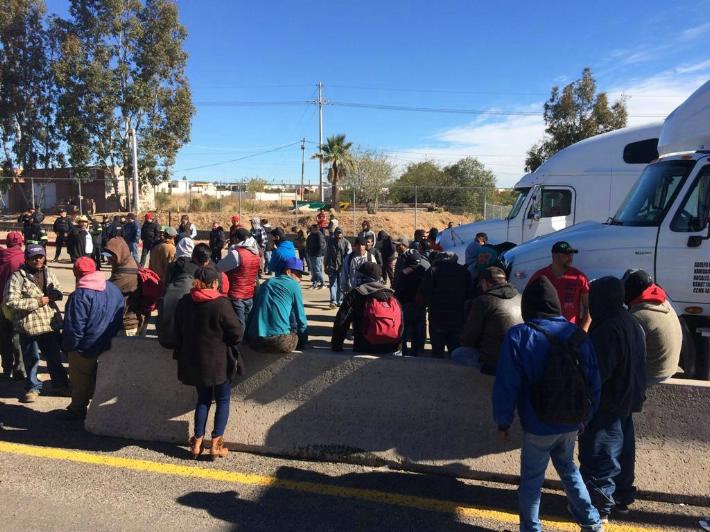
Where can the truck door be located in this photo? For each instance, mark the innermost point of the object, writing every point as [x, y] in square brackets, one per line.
[683, 248]
[551, 209]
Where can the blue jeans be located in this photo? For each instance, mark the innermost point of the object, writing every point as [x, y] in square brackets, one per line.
[336, 291]
[414, 318]
[134, 251]
[205, 394]
[625, 492]
[315, 264]
[534, 457]
[267, 259]
[441, 339]
[242, 308]
[600, 448]
[49, 346]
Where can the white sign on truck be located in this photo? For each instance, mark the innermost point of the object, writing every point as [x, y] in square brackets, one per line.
[662, 226]
[585, 181]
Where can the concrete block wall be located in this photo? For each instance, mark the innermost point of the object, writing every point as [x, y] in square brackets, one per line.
[414, 414]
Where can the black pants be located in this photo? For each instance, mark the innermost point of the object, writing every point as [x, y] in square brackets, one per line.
[61, 242]
[216, 255]
[12, 363]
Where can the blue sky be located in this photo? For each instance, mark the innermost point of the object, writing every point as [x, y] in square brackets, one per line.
[494, 56]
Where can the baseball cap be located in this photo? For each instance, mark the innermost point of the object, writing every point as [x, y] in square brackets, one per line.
[563, 247]
[293, 264]
[207, 274]
[34, 250]
[170, 231]
[14, 238]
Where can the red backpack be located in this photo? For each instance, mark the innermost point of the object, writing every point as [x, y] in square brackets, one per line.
[383, 321]
[150, 289]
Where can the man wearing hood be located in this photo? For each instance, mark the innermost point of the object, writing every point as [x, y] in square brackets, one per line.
[492, 314]
[124, 274]
[31, 294]
[284, 251]
[649, 304]
[446, 287]
[354, 311]
[11, 258]
[523, 358]
[92, 317]
[241, 265]
[606, 447]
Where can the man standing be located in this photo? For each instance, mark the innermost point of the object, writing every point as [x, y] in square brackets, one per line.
[132, 234]
[81, 243]
[262, 238]
[284, 250]
[241, 265]
[93, 316]
[492, 314]
[414, 267]
[353, 261]
[572, 285]
[445, 288]
[520, 384]
[388, 252]
[315, 251]
[233, 229]
[278, 321]
[370, 247]
[31, 294]
[401, 245]
[606, 447]
[268, 245]
[479, 255]
[338, 250]
[150, 234]
[367, 231]
[217, 240]
[62, 227]
[163, 254]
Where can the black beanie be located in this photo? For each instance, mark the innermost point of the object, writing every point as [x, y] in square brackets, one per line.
[371, 270]
[540, 300]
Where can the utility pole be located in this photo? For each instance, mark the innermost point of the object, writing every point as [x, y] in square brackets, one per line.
[303, 169]
[320, 140]
[134, 146]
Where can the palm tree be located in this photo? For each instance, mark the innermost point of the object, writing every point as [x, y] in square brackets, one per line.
[336, 153]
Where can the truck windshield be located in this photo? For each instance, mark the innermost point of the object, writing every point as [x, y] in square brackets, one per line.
[519, 201]
[654, 192]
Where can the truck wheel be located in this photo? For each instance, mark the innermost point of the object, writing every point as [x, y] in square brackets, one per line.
[687, 351]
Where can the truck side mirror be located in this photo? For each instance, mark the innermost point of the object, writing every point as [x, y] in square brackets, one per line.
[695, 241]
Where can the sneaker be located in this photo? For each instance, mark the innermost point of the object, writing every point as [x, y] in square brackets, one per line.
[622, 509]
[30, 397]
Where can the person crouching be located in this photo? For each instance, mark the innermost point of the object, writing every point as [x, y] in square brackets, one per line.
[206, 333]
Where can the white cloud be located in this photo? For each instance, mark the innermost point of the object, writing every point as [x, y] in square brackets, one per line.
[695, 32]
[501, 144]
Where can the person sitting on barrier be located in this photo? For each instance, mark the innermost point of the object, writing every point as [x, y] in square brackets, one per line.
[92, 317]
[207, 333]
[649, 304]
[241, 266]
[124, 274]
[492, 313]
[374, 312]
[277, 323]
[553, 400]
[414, 268]
[607, 452]
[163, 254]
[284, 250]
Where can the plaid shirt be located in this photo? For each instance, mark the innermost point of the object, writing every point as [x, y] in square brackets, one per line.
[21, 297]
[260, 235]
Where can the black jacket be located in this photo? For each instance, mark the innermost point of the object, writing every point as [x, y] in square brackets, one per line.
[351, 311]
[445, 288]
[150, 234]
[620, 347]
[315, 245]
[76, 245]
[407, 283]
[335, 257]
[62, 226]
[204, 334]
[385, 246]
[217, 238]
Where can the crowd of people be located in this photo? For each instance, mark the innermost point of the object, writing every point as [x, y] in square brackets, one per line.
[572, 357]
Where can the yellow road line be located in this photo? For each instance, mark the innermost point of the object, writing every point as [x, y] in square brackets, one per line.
[251, 479]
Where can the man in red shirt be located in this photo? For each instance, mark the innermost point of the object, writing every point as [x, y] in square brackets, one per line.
[572, 285]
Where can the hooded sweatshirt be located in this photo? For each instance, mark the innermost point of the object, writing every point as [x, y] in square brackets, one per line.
[124, 274]
[523, 356]
[621, 351]
[283, 251]
[93, 316]
[446, 287]
[11, 259]
[664, 336]
[241, 265]
[180, 276]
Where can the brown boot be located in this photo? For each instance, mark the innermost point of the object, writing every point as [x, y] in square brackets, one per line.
[196, 446]
[217, 449]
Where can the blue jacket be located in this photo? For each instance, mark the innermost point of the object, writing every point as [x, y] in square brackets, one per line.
[284, 250]
[278, 309]
[522, 360]
[132, 232]
[92, 317]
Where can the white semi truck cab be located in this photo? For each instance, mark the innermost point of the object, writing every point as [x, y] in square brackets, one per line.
[662, 226]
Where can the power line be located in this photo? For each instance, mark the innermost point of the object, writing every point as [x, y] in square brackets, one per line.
[277, 148]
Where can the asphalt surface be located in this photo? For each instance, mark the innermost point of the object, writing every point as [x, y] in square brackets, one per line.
[72, 480]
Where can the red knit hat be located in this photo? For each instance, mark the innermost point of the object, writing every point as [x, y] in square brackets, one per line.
[83, 266]
[235, 219]
[149, 216]
[14, 238]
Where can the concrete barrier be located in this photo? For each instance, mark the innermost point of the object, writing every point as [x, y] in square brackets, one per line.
[414, 414]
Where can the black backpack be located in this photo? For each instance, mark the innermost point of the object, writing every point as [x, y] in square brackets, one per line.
[562, 395]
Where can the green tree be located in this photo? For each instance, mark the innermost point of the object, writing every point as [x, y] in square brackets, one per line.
[336, 153]
[28, 134]
[417, 175]
[575, 113]
[256, 184]
[370, 172]
[122, 66]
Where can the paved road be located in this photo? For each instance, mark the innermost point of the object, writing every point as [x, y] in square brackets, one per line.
[55, 476]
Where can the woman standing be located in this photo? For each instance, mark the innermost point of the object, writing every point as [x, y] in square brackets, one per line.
[206, 330]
